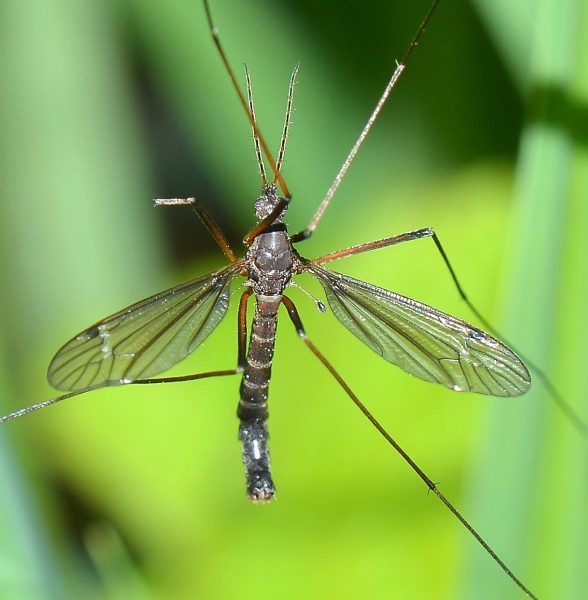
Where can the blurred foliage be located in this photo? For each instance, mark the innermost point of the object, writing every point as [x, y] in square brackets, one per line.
[137, 493]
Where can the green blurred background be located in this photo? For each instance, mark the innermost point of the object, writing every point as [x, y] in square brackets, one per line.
[137, 493]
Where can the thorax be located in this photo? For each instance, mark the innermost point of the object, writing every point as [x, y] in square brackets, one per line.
[271, 261]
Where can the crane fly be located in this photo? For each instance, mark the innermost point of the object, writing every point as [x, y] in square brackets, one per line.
[146, 339]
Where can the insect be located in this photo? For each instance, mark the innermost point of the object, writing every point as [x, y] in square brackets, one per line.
[149, 337]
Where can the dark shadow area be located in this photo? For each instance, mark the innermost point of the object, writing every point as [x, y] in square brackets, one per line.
[179, 169]
[553, 106]
[458, 82]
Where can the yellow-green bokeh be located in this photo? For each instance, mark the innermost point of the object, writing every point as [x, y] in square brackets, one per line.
[137, 492]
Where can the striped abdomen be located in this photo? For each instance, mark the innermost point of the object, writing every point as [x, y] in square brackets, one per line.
[252, 410]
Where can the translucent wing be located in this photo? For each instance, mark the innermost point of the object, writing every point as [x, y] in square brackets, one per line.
[423, 341]
[146, 338]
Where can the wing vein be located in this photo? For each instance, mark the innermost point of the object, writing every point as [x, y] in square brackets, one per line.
[146, 338]
[422, 340]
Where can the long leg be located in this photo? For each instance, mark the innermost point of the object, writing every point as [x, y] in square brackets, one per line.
[45, 403]
[562, 404]
[208, 221]
[39, 405]
[389, 241]
[191, 377]
[291, 308]
[214, 228]
[559, 400]
[264, 146]
[306, 233]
